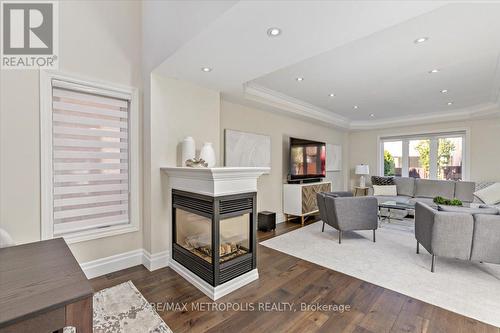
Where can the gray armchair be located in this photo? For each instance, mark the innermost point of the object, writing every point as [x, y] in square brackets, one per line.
[444, 234]
[486, 239]
[344, 212]
[467, 234]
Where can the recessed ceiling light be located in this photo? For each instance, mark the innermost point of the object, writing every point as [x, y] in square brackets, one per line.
[450, 103]
[300, 79]
[435, 70]
[273, 32]
[372, 115]
[332, 95]
[206, 69]
[421, 40]
[355, 107]
[444, 91]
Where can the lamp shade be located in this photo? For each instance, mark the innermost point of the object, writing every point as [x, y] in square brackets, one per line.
[362, 169]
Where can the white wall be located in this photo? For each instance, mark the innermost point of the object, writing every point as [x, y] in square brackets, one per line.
[102, 40]
[483, 146]
[178, 109]
[169, 25]
[99, 40]
[280, 128]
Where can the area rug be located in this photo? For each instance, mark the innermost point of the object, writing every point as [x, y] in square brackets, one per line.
[123, 309]
[467, 288]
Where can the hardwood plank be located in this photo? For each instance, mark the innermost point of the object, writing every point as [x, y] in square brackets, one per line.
[284, 278]
[342, 322]
[411, 323]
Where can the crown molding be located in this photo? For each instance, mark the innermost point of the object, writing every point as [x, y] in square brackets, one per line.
[293, 105]
[298, 107]
[480, 111]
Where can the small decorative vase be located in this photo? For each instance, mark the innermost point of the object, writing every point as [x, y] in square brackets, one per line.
[208, 154]
[188, 150]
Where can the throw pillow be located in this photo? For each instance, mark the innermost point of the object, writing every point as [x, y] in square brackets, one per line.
[388, 190]
[489, 195]
[377, 180]
[469, 210]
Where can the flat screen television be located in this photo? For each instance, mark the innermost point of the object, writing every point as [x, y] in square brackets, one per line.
[307, 159]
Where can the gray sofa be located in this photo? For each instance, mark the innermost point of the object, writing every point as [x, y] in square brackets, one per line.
[344, 212]
[413, 190]
[461, 233]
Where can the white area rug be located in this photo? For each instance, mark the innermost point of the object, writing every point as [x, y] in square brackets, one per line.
[123, 309]
[467, 288]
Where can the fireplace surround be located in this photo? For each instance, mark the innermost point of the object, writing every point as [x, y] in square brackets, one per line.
[212, 230]
[214, 237]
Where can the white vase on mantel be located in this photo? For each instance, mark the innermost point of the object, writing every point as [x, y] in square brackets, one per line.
[208, 154]
[188, 150]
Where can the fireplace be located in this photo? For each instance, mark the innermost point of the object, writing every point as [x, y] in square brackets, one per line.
[212, 230]
[214, 236]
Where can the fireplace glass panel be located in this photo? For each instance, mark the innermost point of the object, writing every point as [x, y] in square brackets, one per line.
[194, 233]
[234, 237]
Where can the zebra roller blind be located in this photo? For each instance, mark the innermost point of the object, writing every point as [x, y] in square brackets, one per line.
[90, 160]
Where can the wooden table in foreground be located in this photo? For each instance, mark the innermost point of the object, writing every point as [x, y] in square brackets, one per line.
[43, 289]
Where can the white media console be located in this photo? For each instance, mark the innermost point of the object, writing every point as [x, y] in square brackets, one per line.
[300, 199]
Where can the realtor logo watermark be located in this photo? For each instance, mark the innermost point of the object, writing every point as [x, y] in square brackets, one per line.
[29, 35]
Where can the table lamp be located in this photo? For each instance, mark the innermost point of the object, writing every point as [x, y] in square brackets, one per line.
[362, 170]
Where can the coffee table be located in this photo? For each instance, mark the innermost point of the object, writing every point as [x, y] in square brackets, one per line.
[393, 205]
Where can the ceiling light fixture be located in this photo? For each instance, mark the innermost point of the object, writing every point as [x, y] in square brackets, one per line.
[332, 95]
[444, 91]
[300, 79]
[273, 32]
[206, 69]
[450, 103]
[435, 70]
[421, 40]
[355, 106]
[372, 115]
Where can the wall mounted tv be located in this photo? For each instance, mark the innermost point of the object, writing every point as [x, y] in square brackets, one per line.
[307, 160]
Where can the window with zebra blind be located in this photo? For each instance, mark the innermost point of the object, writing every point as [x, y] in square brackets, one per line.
[87, 171]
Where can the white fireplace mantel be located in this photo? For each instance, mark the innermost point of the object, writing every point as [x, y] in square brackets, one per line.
[215, 181]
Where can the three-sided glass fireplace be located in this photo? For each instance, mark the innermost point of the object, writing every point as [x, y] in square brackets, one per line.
[214, 237]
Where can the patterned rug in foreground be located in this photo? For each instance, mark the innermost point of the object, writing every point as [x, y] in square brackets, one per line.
[123, 309]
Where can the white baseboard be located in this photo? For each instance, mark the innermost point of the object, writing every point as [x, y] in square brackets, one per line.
[111, 264]
[158, 260]
[124, 260]
[155, 261]
[212, 292]
[235, 284]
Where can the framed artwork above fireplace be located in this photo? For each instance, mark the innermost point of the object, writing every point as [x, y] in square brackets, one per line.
[242, 149]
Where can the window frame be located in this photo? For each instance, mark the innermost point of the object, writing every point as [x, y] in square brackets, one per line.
[46, 172]
[433, 137]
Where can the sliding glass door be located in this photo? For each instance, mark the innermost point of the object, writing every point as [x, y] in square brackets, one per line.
[419, 158]
[427, 156]
[393, 158]
[450, 158]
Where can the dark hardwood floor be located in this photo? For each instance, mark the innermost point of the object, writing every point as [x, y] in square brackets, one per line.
[288, 280]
